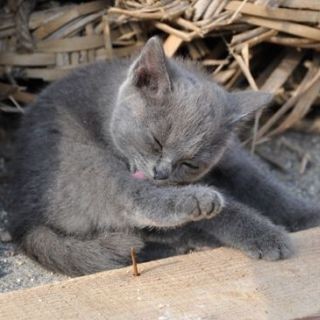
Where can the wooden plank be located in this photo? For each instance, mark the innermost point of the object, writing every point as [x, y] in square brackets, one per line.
[47, 74]
[275, 13]
[71, 44]
[214, 284]
[32, 59]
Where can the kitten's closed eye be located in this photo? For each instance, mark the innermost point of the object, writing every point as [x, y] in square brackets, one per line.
[157, 146]
[190, 165]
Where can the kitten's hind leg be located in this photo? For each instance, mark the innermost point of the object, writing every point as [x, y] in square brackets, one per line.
[155, 250]
[243, 228]
[74, 256]
[248, 181]
[180, 240]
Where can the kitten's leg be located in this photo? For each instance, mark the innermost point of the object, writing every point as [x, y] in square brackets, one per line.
[148, 205]
[183, 239]
[243, 228]
[249, 182]
[118, 200]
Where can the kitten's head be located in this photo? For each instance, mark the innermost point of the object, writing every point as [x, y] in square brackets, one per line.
[172, 122]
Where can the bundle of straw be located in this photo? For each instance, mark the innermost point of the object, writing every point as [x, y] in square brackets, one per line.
[263, 45]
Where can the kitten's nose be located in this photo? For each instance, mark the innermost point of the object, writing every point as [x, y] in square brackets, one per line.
[160, 173]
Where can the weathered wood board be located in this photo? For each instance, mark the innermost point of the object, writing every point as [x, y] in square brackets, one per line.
[214, 284]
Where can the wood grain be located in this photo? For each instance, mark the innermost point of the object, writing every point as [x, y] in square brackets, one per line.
[214, 284]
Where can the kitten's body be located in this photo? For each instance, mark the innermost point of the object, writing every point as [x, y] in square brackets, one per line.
[76, 207]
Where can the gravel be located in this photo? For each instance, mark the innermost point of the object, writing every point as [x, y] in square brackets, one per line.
[18, 271]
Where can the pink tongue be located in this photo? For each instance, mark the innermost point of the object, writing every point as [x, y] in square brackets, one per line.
[138, 175]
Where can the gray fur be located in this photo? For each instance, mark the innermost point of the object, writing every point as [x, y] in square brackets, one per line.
[77, 209]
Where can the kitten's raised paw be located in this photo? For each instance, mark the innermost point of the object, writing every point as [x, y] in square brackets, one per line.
[201, 203]
[272, 245]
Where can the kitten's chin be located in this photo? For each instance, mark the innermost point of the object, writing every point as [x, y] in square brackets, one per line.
[166, 183]
[139, 175]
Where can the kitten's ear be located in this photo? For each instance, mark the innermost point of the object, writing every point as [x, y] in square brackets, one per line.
[245, 103]
[149, 72]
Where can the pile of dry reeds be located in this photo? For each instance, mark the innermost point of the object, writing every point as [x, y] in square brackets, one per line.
[269, 45]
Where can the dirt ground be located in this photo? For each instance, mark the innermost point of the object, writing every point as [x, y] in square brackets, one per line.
[17, 271]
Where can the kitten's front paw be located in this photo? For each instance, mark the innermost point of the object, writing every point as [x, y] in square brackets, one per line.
[272, 245]
[200, 203]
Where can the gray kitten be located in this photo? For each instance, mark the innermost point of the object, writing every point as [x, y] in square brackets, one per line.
[143, 153]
